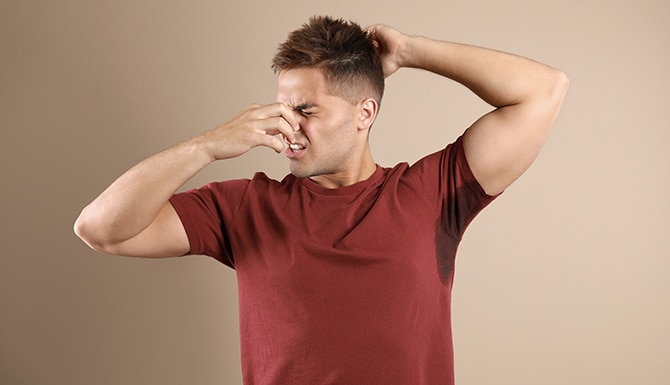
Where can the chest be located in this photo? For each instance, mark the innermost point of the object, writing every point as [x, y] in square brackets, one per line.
[363, 241]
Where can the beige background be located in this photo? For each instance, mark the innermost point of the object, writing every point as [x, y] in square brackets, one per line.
[563, 280]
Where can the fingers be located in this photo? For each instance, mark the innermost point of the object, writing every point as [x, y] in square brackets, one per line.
[275, 119]
[265, 125]
[256, 125]
[390, 44]
[273, 142]
[279, 121]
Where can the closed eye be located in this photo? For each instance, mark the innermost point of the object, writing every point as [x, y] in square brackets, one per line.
[304, 109]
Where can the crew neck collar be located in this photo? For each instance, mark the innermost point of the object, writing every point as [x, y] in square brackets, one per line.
[351, 189]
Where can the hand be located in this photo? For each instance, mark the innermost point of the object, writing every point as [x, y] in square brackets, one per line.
[257, 125]
[133, 217]
[390, 44]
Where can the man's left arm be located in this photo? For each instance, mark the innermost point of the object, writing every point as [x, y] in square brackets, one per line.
[527, 97]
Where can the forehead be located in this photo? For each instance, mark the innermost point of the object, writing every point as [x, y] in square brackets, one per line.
[301, 85]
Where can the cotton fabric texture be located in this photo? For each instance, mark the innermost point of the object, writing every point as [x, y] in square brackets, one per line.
[342, 286]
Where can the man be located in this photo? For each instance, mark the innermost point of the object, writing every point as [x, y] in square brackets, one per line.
[344, 267]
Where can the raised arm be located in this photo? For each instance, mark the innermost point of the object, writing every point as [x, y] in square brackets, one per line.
[133, 217]
[527, 97]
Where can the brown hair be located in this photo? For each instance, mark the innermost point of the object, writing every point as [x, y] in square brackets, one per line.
[345, 53]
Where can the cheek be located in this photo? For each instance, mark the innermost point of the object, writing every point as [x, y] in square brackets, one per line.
[315, 128]
[308, 127]
[330, 130]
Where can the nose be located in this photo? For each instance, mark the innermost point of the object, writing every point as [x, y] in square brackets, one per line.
[299, 119]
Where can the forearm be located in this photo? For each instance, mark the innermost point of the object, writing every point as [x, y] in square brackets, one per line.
[133, 216]
[134, 200]
[527, 95]
[499, 78]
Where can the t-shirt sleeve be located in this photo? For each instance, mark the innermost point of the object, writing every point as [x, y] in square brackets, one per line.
[206, 213]
[463, 197]
[451, 185]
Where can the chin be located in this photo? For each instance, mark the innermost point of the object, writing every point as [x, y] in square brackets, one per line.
[299, 173]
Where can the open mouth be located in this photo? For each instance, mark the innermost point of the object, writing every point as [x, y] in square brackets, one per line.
[296, 147]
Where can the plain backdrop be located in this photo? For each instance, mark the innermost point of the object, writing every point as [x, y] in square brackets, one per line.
[562, 280]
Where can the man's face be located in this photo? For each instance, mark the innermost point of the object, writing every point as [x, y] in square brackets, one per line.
[329, 143]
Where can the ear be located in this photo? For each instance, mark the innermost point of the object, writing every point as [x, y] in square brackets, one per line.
[367, 113]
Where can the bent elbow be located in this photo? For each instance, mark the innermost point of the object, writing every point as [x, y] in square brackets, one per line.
[551, 94]
[559, 86]
[85, 229]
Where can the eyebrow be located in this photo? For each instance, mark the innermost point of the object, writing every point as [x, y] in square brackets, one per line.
[304, 106]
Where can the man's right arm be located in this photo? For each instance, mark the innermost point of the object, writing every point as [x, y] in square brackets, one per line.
[133, 216]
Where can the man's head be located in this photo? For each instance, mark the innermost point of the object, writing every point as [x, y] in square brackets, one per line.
[342, 50]
[330, 74]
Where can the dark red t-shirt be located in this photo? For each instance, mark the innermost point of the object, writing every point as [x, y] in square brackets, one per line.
[342, 286]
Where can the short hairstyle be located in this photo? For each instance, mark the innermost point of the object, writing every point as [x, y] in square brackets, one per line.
[345, 52]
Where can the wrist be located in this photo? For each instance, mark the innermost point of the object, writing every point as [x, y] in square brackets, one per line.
[409, 51]
[199, 149]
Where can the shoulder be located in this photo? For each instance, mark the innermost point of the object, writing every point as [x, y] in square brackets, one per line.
[262, 187]
[259, 181]
[432, 167]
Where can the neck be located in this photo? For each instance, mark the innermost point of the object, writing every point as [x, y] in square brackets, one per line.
[351, 175]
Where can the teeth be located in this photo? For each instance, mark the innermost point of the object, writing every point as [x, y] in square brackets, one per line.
[295, 146]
